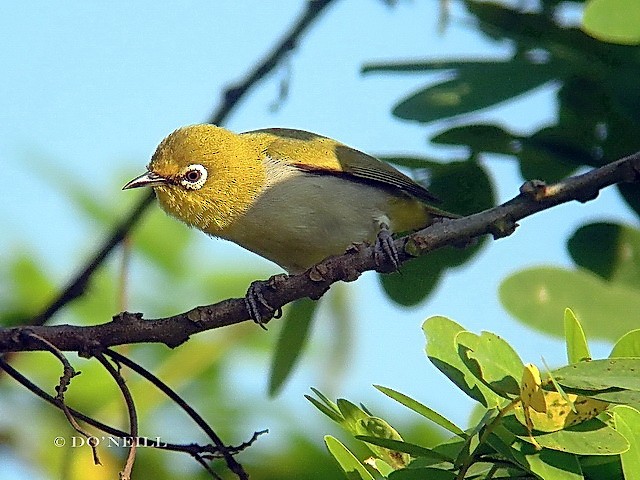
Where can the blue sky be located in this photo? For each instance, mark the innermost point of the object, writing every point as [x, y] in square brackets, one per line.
[93, 87]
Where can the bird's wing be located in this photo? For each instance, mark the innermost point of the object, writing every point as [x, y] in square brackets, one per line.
[317, 154]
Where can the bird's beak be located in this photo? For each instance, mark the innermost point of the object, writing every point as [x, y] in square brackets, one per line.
[148, 179]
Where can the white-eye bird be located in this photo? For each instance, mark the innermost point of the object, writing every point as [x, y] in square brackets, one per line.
[291, 196]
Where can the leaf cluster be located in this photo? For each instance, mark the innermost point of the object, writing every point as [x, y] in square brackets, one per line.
[577, 422]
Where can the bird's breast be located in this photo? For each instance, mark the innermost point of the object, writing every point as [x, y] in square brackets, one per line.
[302, 218]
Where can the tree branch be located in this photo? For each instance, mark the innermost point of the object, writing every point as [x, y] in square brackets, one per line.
[231, 96]
[500, 221]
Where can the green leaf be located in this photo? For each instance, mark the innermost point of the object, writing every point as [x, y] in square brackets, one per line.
[415, 280]
[352, 415]
[601, 374]
[293, 336]
[442, 350]
[502, 441]
[577, 347]
[613, 21]
[631, 194]
[550, 155]
[423, 410]
[550, 464]
[613, 395]
[627, 422]
[404, 447]
[594, 467]
[593, 437]
[479, 138]
[609, 250]
[350, 465]
[495, 362]
[430, 473]
[538, 297]
[627, 346]
[381, 466]
[474, 87]
[327, 407]
[373, 427]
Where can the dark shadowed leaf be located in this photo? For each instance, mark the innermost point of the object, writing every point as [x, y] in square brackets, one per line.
[475, 87]
[293, 336]
[480, 138]
[609, 250]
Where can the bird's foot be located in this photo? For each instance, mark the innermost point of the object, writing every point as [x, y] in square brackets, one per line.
[385, 252]
[260, 311]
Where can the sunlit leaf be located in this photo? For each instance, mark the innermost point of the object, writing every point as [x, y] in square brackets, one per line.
[627, 422]
[613, 21]
[593, 437]
[493, 361]
[422, 410]
[347, 460]
[539, 296]
[379, 429]
[550, 464]
[442, 350]
[601, 374]
[627, 346]
[405, 447]
[576, 342]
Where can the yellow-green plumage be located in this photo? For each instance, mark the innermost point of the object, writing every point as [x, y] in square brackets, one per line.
[288, 195]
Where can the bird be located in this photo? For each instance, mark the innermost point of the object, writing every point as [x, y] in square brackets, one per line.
[291, 196]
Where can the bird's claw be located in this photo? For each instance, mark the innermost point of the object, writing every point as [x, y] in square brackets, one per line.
[385, 251]
[256, 303]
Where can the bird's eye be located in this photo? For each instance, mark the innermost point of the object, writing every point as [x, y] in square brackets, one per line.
[193, 177]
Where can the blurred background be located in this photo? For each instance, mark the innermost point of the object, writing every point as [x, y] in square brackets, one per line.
[472, 98]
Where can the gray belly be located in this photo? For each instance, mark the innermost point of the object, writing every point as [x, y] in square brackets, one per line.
[305, 218]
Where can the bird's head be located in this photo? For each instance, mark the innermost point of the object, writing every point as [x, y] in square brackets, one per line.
[205, 176]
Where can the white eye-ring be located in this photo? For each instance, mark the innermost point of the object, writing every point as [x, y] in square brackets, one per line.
[193, 177]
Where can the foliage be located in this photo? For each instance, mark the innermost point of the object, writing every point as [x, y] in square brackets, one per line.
[578, 421]
[613, 21]
[596, 123]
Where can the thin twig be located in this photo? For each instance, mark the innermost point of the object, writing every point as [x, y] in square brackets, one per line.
[125, 474]
[286, 45]
[500, 221]
[231, 462]
[192, 449]
[68, 372]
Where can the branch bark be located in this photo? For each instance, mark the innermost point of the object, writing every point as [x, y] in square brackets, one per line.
[500, 221]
